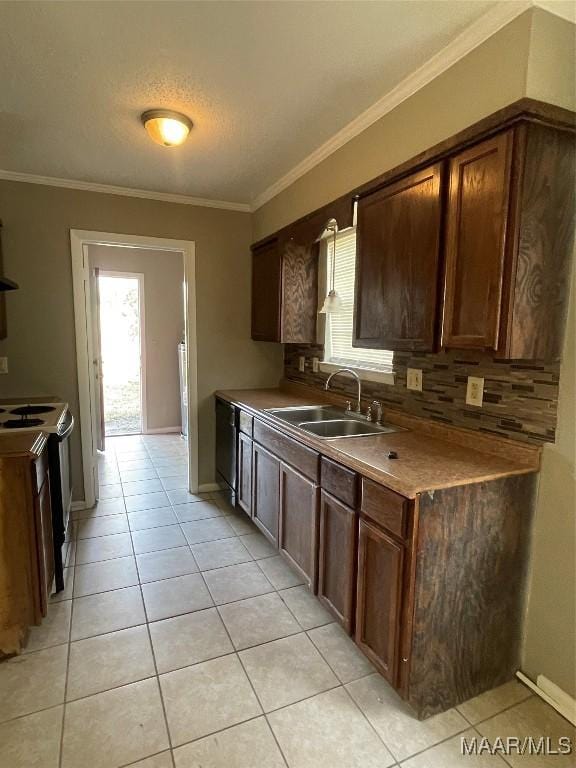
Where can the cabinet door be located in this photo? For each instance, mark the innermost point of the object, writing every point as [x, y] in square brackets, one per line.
[299, 293]
[379, 598]
[398, 262]
[337, 559]
[265, 491]
[477, 215]
[299, 522]
[266, 292]
[244, 491]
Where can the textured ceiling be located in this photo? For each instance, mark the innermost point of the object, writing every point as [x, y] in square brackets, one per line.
[264, 82]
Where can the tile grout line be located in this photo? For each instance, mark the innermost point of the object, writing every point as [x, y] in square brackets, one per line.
[69, 646]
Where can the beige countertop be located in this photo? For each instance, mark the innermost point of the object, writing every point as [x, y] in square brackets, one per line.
[425, 461]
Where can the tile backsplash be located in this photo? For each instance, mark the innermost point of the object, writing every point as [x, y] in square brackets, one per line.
[520, 398]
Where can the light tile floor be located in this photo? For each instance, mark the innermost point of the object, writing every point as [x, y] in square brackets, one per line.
[183, 640]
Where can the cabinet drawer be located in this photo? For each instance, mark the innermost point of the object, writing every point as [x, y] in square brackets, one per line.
[245, 421]
[383, 506]
[304, 459]
[339, 481]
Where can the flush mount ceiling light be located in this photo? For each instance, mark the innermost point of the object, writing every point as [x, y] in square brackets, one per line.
[166, 127]
[332, 302]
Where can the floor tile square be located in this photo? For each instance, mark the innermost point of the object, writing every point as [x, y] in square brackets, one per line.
[162, 760]
[258, 620]
[101, 526]
[241, 524]
[147, 501]
[54, 629]
[175, 483]
[532, 717]
[114, 728]
[113, 491]
[103, 548]
[189, 639]
[179, 496]
[448, 754]
[138, 487]
[287, 670]
[106, 612]
[279, 572]
[222, 697]
[105, 576]
[341, 652]
[259, 546]
[132, 475]
[141, 463]
[109, 661]
[182, 594]
[394, 721]
[32, 741]
[198, 510]
[328, 731]
[32, 681]
[222, 498]
[151, 518]
[246, 745]
[216, 554]
[236, 582]
[306, 607]
[492, 702]
[165, 563]
[207, 530]
[153, 539]
[171, 468]
[102, 508]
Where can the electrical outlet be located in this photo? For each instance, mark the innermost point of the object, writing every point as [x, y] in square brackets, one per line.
[301, 363]
[414, 379]
[475, 391]
[315, 365]
[3, 365]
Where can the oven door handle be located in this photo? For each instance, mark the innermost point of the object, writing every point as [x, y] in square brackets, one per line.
[67, 430]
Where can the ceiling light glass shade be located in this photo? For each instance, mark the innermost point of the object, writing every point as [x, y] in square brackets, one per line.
[166, 127]
[332, 303]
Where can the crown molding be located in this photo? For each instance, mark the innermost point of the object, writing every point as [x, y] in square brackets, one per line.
[107, 189]
[566, 11]
[473, 36]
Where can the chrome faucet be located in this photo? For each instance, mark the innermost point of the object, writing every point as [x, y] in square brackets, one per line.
[358, 382]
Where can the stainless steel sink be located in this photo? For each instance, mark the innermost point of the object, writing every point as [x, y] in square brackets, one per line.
[328, 421]
[344, 428]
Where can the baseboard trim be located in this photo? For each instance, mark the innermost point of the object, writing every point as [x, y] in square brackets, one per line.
[552, 694]
[207, 487]
[162, 430]
[76, 506]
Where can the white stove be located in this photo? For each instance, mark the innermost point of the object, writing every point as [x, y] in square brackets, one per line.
[32, 417]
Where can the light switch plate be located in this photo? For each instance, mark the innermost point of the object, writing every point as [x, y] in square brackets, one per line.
[301, 363]
[475, 391]
[315, 365]
[414, 379]
[3, 365]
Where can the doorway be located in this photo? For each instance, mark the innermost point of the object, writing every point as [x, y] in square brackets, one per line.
[121, 335]
[89, 379]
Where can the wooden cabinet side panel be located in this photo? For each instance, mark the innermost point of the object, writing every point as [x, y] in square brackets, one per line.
[398, 264]
[265, 492]
[298, 538]
[299, 293]
[476, 231]
[266, 292]
[472, 551]
[337, 559]
[544, 245]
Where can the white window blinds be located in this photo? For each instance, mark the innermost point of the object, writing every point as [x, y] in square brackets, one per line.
[338, 341]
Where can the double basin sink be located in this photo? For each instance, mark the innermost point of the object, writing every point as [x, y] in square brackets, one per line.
[328, 421]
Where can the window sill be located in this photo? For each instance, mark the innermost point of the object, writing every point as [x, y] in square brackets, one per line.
[365, 374]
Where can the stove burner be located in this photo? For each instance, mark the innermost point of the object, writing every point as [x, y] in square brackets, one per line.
[21, 423]
[28, 410]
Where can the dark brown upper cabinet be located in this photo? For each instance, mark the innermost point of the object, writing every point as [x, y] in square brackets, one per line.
[477, 217]
[284, 292]
[509, 238]
[398, 263]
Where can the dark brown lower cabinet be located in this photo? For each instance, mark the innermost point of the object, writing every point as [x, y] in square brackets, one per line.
[244, 485]
[299, 522]
[337, 559]
[379, 598]
[265, 491]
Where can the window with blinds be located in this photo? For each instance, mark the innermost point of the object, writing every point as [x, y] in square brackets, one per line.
[338, 341]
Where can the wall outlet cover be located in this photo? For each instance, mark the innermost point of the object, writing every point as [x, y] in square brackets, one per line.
[3, 365]
[301, 363]
[475, 391]
[414, 379]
